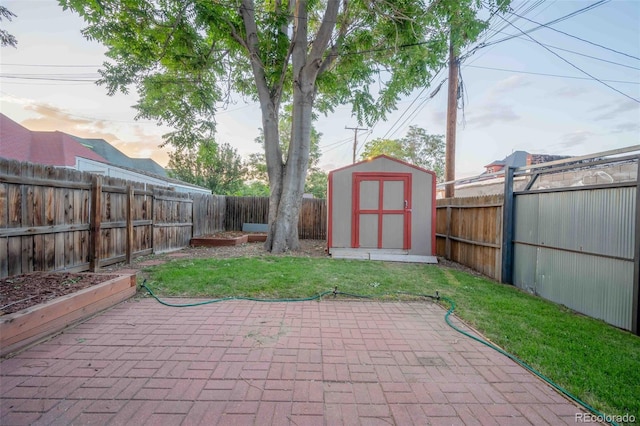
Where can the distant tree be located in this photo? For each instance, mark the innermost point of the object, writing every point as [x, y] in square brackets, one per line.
[253, 189]
[7, 39]
[417, 147]
[316, 183]
[213, 166]
[390, 147]
[257, 164]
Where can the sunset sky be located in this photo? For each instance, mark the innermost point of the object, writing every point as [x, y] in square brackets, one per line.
[46, 84]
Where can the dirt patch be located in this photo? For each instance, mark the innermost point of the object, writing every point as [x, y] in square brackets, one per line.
[308, 248]
[23, 291]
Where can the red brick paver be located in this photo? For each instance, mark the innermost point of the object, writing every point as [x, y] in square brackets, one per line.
[325, 363]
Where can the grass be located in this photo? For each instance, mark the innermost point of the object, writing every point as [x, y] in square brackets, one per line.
[596, 362]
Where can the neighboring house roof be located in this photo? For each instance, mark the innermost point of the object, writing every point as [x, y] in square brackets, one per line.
[515, 159]
[117, 158]
[52, 148]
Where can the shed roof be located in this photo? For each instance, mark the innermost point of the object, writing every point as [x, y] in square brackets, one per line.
[382, 157]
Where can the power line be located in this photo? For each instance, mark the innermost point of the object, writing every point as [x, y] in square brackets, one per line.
[579, 38]
[573, 65]
[548, 75]
[52, 65]
[580, 54]
[530, 30]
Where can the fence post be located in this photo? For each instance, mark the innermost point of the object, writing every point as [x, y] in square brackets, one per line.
[635, 311]
[130, 206]
[95, 223]
[507, 230]
[447, 243]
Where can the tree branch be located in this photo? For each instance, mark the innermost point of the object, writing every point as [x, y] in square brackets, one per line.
[319, 45]
[330, 59]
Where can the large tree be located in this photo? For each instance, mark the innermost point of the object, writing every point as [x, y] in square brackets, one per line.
[185, 57]
[417, 147]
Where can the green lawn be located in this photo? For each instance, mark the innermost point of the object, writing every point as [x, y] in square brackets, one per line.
[596, 362]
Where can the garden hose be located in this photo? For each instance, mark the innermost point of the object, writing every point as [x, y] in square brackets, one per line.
[524, 364]
[225, 299]
[447, 319]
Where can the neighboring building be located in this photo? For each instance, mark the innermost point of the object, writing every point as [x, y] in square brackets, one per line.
[118, 158]
[491, 181]
[520, 159]
[52, 148]
[88, 155]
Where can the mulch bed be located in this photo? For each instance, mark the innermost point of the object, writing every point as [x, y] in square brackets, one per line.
[23, 291]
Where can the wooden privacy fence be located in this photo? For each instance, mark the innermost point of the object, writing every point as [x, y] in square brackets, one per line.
[55, 219]
[312, 223]
[469, 231]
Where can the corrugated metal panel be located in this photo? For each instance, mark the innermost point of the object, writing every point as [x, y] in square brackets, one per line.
[601, 222]
[598, 287]
[526, 218]
[596, 221]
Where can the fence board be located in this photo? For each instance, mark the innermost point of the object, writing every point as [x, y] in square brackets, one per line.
[469, 231]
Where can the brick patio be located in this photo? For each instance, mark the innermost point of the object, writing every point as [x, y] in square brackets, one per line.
[236, 363]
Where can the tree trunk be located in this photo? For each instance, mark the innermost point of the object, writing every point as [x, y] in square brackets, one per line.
[284, 228]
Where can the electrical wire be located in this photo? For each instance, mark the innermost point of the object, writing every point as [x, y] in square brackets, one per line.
[575, 66]
[577, 38]
[546, 25]
[548, 75]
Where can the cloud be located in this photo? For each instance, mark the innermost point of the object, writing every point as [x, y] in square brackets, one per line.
[611, 111]
[142, 145]
[631, 126]
[510, 84]
[491, 114]
[569, 92]
[573, 139]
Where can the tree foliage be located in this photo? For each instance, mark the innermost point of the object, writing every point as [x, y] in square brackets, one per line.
[213, 166]
[7, 39]
[417, 147]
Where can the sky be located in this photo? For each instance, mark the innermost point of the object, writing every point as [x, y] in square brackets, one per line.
[573, 91]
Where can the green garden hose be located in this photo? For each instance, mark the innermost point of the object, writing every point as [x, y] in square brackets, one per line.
[524, 364]
[447, 319]
[225, 299]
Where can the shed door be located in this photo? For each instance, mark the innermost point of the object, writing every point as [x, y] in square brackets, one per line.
[381, 211]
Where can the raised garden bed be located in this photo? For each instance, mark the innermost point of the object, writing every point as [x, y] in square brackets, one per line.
[53, 302]
[257, 238]
[213, 241]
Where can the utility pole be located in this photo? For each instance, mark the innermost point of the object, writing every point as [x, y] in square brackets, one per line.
[355, 139]
[452, 116]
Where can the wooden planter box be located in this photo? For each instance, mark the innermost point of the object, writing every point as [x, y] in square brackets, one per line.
[27, 326]
[213, 241]
[255, 238]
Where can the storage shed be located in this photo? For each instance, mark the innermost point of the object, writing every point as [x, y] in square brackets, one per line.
[382, 209]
